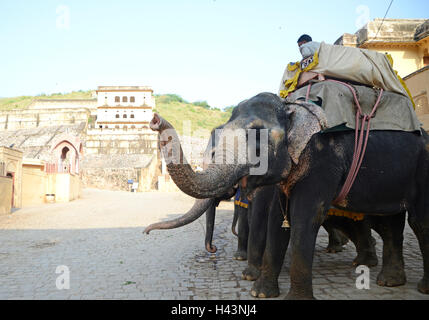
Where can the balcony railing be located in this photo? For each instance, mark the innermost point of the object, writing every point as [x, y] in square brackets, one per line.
[52, 168]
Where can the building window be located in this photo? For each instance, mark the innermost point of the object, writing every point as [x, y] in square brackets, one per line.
[124, 99]
[133, 127]
[132, 99]
[117, 116]
[116, 127]
[124, 116]
[117, 99]
[132, 116]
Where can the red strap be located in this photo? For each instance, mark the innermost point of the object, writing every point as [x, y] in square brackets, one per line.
[359, 149]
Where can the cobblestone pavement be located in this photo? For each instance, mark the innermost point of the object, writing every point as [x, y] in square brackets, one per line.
[99, 238]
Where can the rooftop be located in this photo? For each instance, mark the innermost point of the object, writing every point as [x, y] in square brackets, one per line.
[395, 31]
[124, 88]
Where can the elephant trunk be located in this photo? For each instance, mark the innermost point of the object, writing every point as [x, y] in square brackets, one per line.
[212, 182]
[210, 221]
[199, 207]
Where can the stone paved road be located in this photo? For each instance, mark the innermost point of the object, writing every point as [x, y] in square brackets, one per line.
[99, 238]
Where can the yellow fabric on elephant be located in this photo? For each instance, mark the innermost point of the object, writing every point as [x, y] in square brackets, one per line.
[241, 204]
[354, 64]
[346, 214]
[295, 69]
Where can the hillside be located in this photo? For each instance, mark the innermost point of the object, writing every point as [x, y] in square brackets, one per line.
[170, 106]
[22, 102]
[176, 110]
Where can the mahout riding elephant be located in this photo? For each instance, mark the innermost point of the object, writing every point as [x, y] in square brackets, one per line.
[394, 181]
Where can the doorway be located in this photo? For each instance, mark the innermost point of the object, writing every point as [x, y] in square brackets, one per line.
[12, 175]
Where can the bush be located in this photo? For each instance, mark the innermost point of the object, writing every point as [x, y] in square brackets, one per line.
[169, 98]
[203, 104]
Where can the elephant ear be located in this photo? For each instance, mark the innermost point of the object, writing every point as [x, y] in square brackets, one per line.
[306, 119]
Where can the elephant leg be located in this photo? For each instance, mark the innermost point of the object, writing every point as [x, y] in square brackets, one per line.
[266, 286]
[420, 226]
[305, 218]
[359, 232]
[243, 233]
[258, 210]
[391, 230]
[336, 239]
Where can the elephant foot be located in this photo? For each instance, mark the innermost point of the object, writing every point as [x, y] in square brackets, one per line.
[392, 277]
[334, 248]
[295, 296]
[336, 242]
[423, 285]
[240, 255]
[251, 273]
[366, 258]
[265, 288]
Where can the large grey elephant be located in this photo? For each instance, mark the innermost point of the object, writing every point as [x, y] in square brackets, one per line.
[263, 210]
[396, 179]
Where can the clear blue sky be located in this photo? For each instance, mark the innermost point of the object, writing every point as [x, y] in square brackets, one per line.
[222, 51]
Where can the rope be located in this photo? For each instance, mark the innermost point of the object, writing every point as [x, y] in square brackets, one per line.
[360, 142]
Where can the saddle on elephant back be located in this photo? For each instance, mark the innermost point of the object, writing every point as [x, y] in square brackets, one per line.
[351, 85]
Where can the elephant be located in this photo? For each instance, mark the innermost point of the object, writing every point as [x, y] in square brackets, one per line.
[241, 217]
[263, 217]
[312, 175]
[257, 238]
[336, 240]
[269, 240]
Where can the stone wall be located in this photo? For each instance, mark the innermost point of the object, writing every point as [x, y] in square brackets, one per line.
[5, 195]
[64, 186]
[35, 118]
[34, 185]
[114, 141]
[112, 172]
[90, 104]
[418, 83]
[108, 178]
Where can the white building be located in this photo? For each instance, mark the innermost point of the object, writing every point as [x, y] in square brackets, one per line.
[124, 107]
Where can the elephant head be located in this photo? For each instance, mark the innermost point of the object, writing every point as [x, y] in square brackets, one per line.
[260, 124]
[274, 133]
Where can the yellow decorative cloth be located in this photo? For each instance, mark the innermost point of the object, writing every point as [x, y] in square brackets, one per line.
[346, 214]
